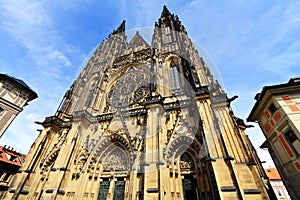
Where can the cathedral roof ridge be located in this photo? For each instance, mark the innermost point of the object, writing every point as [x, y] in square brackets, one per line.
[137, 40]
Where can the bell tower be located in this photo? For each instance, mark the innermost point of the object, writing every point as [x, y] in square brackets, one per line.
[143, 121]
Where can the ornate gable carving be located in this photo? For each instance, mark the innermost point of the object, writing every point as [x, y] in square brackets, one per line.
[137, 42]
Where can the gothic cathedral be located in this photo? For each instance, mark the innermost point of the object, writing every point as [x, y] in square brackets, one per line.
[143, 121]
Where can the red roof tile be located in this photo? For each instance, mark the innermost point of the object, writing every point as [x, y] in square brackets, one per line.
[273, 174]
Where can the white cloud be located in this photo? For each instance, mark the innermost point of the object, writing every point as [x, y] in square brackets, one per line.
[29, 23]
[43, 68]
[253, 43]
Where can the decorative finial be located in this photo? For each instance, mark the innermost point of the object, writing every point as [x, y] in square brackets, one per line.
[120, 29]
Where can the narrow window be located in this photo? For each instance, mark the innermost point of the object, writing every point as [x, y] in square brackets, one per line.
[293, 141]
[279, 193]
[291, 136]
[6, 177]
[90, 95]
[89, 98]
[167, 29]
[272, 109]
[174, 76]
[168, 37]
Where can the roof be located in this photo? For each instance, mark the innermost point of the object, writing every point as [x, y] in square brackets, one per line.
[10, 157]
[273, 174]
[137, 41]
[259, 97]
[20, 84]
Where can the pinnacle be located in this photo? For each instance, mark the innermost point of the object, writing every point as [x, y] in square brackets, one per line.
[168, 19]
[120, 29]
[165, 12]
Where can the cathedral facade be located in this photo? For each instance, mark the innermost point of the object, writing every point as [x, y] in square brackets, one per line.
[143, 121]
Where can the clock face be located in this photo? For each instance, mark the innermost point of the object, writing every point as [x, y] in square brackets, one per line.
[128, 89]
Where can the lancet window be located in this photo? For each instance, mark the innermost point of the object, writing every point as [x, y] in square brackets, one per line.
[174, 75]
[168, 34]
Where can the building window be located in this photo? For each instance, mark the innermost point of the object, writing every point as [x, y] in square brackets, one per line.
[168, 37]
[6, 177]
[293, 141]
[1, 110]
[291, 136]
[90, 96]
[167, 29]
[279, 193]
[174, 75]
[272, 109]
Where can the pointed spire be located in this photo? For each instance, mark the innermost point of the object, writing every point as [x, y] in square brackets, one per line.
[165, 13]
[169, 20]
[120, 29]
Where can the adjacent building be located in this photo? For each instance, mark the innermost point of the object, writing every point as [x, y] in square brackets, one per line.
[14, 95]
[277, 110]
[277, 184]
[10, 162]
[143, 121]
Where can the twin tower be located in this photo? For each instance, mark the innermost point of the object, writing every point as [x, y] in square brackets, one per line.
[143, 121]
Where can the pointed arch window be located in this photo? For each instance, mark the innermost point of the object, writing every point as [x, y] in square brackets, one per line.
[1, 110]
[168, 37]
[90, 95]
[174, 75]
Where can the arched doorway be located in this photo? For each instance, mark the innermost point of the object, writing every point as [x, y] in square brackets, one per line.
[189, 182]
[116, 165]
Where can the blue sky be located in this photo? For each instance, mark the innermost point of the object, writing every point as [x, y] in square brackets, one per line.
[252, 43]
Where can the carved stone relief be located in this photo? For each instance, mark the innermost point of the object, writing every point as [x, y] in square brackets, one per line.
[116, 160]
[186, 161]
[51, 157]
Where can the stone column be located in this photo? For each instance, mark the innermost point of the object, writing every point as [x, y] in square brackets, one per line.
[151, 187]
